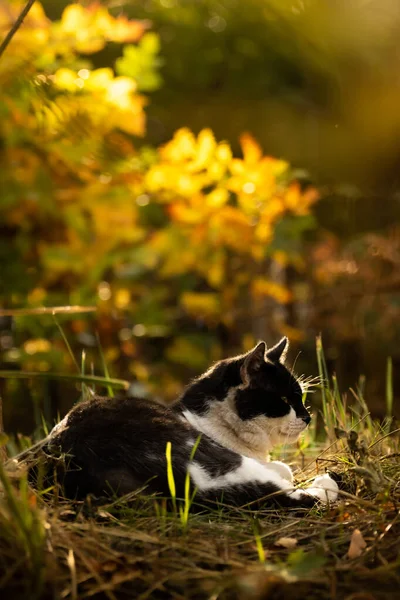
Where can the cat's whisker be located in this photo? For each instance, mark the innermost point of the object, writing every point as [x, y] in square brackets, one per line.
[294, 363]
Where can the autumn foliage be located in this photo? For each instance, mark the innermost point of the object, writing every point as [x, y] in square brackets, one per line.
[174, 244]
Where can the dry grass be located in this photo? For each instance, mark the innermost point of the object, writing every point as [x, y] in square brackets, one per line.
[140, 547]
[134, 548]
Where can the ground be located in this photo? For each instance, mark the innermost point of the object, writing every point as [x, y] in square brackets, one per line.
[137, 548]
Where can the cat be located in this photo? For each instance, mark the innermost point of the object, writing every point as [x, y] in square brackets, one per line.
[241, 408]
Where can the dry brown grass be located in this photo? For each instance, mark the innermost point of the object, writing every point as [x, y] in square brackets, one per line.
[134, 548]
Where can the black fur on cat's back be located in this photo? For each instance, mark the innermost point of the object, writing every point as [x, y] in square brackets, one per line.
[117, 445]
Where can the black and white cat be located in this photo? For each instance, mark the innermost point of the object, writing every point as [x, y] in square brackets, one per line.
[242, 407]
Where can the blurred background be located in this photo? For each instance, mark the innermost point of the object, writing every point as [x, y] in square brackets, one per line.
[206, 173]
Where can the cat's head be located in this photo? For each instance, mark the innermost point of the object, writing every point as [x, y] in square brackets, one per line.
[254, 393]
[271, 393]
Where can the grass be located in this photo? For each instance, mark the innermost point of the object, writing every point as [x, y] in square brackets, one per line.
[139, 547]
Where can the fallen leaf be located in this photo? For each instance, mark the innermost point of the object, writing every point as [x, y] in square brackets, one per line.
[357, 544]
[286, 542]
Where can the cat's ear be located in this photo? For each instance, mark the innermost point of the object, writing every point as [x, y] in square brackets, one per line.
[279, 351]
[253, 361]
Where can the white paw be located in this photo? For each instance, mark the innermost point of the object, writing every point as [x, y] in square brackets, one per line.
[281, 469]
[324, 488]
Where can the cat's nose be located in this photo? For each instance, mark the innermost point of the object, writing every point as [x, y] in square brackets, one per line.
[306, 419]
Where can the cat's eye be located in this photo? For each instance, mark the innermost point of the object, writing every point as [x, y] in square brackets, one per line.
[285, 399]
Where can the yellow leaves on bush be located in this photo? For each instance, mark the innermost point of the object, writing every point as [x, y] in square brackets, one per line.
[231, 228]
[91, 27]
[182, 213]
[37, 346]
[119, 216]
[201, 304]
[197, 218]
[237, 211]
[189, 164]
[109, 101]
[217, 198]
[299, 202]
[34, 29]
[95, 96]
[205, 151]
[181, 148]
[252, 152]
[253, 178]
[265, 287]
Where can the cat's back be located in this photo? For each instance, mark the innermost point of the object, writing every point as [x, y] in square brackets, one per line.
[118, 419]
[118, 443]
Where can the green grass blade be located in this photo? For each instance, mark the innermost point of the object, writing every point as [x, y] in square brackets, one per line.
[66, 342]
[259, 544]
[110, 391]
[187, 498]
[321, 373]
[170, 474]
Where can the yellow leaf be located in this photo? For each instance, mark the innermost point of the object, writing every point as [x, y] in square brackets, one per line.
[265, 287]
[185, 214]
[252, 152]
[237, 166]
[186, 184]
[216, 170]
[99, 79]
[217, 198]
[38, 345]
[298, 202]
[223, 153]
[92, 26]
[281, 258]
[264, 232]
[74, 17]
[215, 272]
[182, 146]
[231, 227]
[66, 79]
[122, 298]
[200, 305]
[119, 92]
[205, 150]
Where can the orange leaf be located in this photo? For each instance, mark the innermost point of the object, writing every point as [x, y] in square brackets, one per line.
[357, 544]
[252, 152]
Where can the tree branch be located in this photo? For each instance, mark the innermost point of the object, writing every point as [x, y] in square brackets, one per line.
[16, 26]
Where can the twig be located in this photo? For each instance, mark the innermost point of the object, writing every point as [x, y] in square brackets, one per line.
[16, 26]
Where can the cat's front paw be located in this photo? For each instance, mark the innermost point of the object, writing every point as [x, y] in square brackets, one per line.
[324, 488]
[281, 469]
